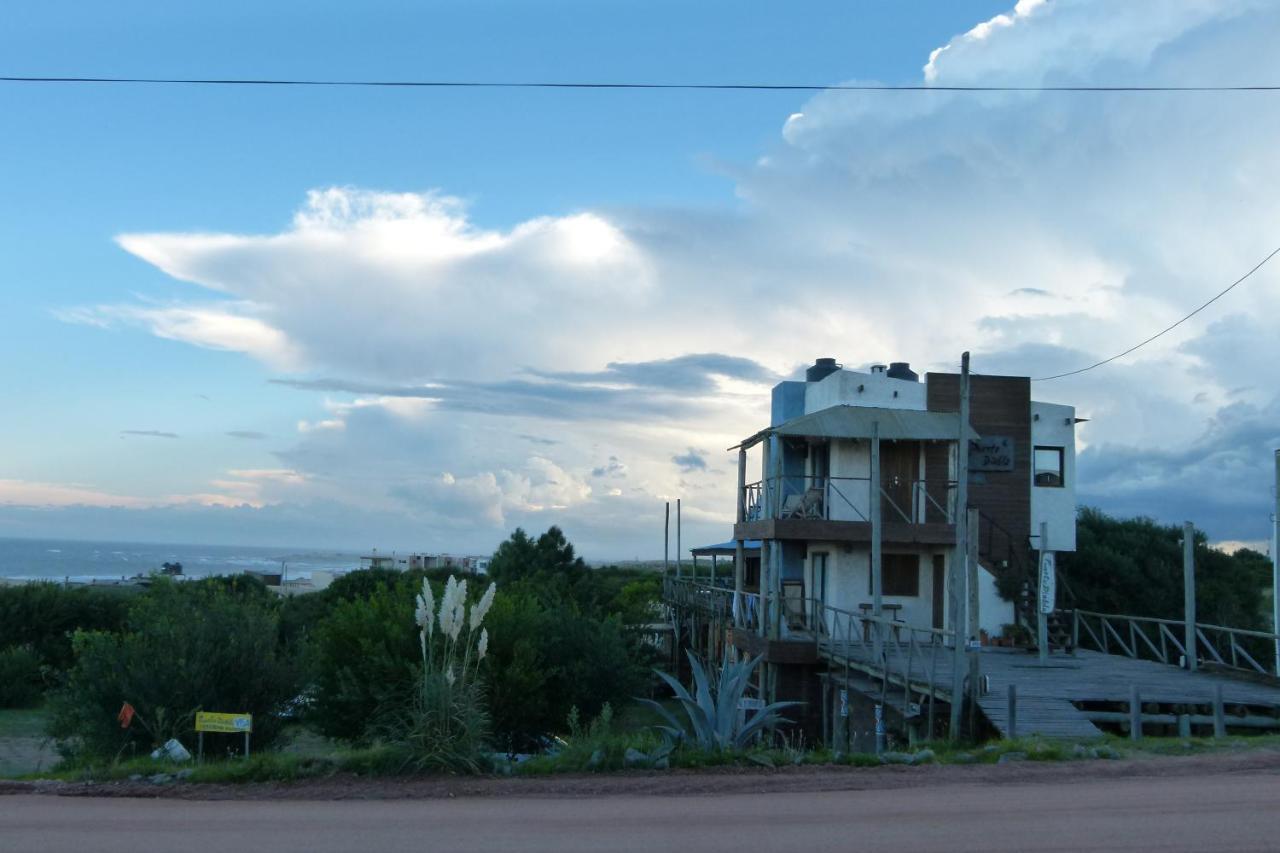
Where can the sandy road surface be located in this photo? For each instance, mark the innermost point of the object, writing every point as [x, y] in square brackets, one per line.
[1224, 810]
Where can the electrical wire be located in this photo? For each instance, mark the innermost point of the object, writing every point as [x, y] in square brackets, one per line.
[1137, 346]
[498, 84]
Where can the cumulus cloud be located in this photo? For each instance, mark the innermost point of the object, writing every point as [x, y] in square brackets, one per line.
[1042, 231]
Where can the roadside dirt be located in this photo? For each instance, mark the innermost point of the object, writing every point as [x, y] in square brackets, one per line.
[676, 782]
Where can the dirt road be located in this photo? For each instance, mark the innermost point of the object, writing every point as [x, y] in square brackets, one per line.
[1223, 810]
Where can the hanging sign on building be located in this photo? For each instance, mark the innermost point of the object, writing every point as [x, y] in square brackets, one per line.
[1048, 582]
[991, 453]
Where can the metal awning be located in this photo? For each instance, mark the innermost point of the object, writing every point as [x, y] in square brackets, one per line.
[725, 548]
[845, 421]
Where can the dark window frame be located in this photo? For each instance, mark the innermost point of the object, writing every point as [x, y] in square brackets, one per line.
[896, 575]
[1061, 476]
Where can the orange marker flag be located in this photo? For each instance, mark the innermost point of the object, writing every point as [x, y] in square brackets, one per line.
[126, 715]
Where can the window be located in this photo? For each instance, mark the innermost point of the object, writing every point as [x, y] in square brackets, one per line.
[900, 575]
[1048, 467]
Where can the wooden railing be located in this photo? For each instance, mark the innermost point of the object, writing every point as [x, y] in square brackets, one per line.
[1164, 640]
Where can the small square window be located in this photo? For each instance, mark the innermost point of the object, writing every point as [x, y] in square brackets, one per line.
[1048, 470]
[899, 575]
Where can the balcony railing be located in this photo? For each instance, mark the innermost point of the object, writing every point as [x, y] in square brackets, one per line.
[849, 499]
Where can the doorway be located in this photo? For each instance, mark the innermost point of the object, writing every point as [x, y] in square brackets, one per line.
[899, 470]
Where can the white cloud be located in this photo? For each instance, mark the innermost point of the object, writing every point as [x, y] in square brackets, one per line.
[1041, 231]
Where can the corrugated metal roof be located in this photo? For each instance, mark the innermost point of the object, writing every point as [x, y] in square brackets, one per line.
[846, 421]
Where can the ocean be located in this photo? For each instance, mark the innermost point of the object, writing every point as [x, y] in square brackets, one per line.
[61, 559]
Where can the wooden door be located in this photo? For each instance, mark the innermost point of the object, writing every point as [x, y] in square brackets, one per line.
[939, 590]
[899, 469]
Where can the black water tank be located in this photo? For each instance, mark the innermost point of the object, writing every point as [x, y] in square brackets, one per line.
[821, 369]
[902, 370]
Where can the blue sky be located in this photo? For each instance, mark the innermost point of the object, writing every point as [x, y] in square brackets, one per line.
[675, 195]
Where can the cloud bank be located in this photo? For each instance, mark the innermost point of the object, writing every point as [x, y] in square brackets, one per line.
[561, 370]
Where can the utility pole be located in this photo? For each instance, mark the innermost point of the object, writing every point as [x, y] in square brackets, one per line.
[959, 558]
[1189, 591]
[679, 550]
[666, 542]
[1275, 565]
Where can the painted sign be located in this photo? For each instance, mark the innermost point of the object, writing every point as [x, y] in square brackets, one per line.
[844, 702]
[207, 721]
[991, 453]
[1048, 582]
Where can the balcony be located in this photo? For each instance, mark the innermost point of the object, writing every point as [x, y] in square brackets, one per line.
[839, 509]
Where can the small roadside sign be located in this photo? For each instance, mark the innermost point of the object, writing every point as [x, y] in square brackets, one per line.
[235, 724]
[208, 721]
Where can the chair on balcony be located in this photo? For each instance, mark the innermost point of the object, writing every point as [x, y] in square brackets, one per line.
[805, 505]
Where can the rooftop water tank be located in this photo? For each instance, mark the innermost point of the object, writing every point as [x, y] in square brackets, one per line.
[902, 370]
[821, 369]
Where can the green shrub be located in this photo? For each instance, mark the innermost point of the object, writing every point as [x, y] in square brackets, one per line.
[547, 660]
[187, 647]
[21, 681]
[43, 616]
[365, 660]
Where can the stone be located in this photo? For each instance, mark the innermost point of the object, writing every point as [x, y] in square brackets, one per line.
[896, 758]
[924, 756]
[161, 779]
[135, 777]
[1010, 757]
[964, 758]
[183, 775]
[634, 758]
[596, 759]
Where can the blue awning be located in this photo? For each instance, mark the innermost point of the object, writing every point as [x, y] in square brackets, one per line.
[725, 548]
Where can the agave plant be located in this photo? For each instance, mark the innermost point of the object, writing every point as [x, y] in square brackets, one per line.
[715, 721]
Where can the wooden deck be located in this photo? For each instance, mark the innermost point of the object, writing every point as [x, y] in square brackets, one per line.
[1046, 695]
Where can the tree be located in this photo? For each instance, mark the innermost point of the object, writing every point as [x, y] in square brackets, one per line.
[1134, 567]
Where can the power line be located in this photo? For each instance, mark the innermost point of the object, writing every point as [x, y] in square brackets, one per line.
[715, 87]
[1137, 346]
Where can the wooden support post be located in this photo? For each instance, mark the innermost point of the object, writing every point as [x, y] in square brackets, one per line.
[958, 573]
[666, 542]
[1219, 713]
[679, 550]
[1184, 725]
[1135, 713]
[877, 568]
[973, 632]
[740, 545]
[1012, 728]
[1189, 591]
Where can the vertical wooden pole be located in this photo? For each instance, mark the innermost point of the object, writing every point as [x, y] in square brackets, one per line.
[1135, 713]
[1219, 713]
[959, 573]
[740, 545]
[1013, 712]
[679, 549]
[877, 568]
[666, 541]
[1189, 591]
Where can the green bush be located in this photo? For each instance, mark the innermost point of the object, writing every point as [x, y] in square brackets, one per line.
[43, 616]
[547, 660]
[21, 681]
[187, 647]
[365, 658]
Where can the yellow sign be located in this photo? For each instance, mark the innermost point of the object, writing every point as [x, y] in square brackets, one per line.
[207, 721]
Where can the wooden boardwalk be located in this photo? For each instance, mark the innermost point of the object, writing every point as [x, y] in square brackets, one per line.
[1046, 695]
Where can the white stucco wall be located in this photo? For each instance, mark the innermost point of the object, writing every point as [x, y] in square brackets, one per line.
[848, 586]
[1053, 425]
[841, 388]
